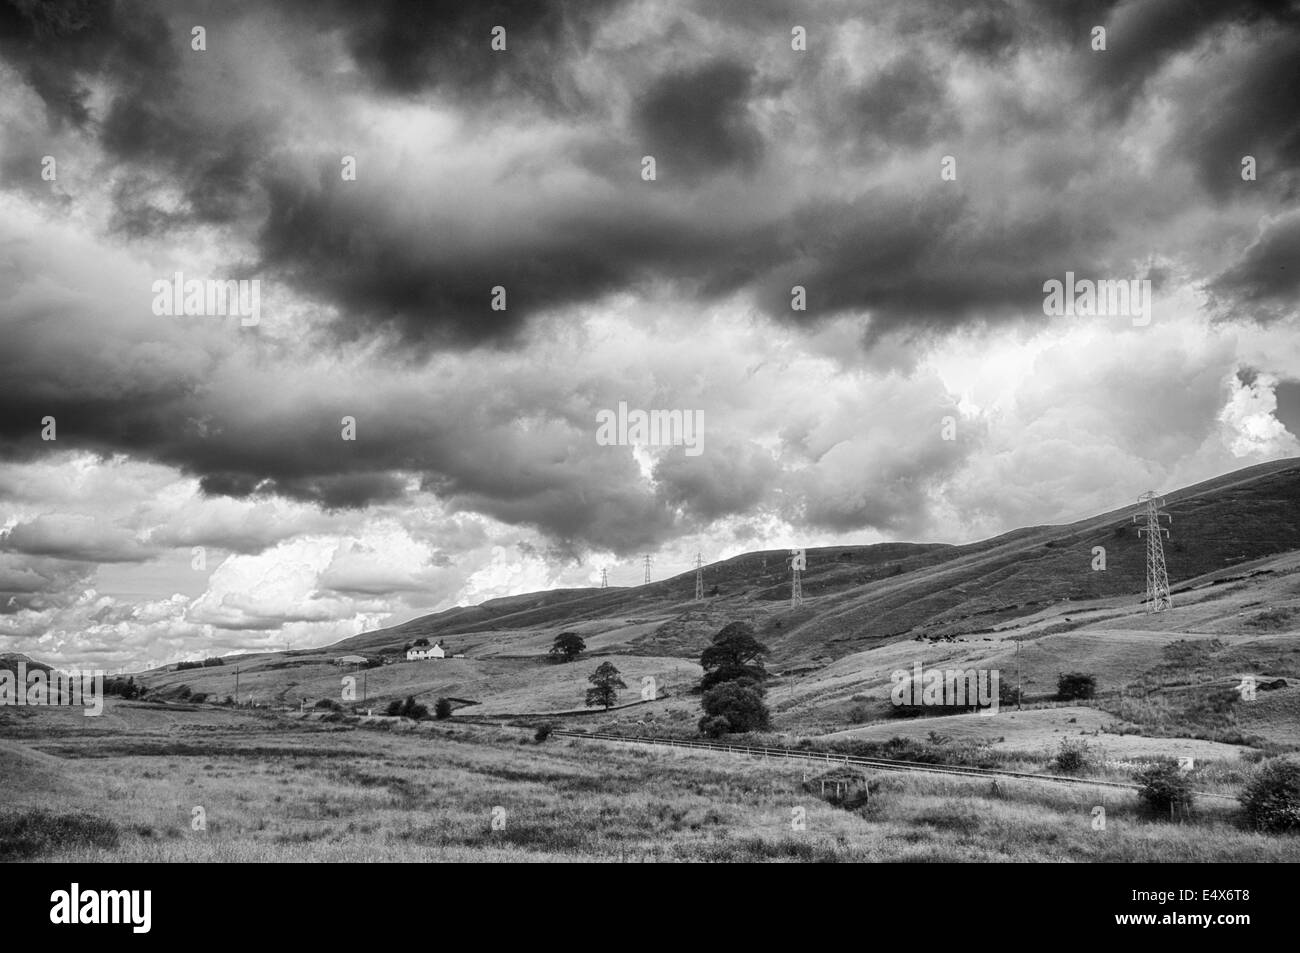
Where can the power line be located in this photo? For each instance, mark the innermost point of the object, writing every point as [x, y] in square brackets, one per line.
[1158, 597]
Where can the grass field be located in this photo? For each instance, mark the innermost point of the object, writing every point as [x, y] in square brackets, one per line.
[277, 788]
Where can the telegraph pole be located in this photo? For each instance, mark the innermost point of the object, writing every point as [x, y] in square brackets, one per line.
[1020, 695]
[1158, 598]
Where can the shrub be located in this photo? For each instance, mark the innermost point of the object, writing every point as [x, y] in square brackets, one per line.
[394, 707]
[715, 726]
[410, 709]
[1072, 756]
[859, 713]
[1272, 797]
[740, 705]
[1163, 788]
[1075, 685]
[543, 732]
[39, 832]
[442, 709]
[1008, 695]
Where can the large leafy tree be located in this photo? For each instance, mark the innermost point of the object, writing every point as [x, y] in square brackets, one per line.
[734, 655]
[606, 684]
[567, 646]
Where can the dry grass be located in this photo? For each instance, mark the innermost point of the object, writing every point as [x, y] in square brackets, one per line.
[303, 793]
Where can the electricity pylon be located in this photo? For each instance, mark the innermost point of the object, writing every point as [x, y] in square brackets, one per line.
[648, 561]
[1158, 598]
[699, 576]
[798, 562]
[604, 579]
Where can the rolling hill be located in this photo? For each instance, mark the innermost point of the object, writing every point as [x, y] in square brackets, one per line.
[1028, 601]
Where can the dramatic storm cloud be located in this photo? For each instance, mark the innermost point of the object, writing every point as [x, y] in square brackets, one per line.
[475, 227]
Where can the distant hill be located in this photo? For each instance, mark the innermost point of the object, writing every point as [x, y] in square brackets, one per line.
[856, 596]
[9, 662]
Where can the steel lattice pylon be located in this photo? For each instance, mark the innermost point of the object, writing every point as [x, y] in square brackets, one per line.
[648, 561]
[699, 576]
[798, 562]
[1158, 598]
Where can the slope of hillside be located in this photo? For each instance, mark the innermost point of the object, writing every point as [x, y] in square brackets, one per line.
[1233, 559]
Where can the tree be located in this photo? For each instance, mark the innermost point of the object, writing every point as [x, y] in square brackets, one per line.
[606, 682]
[568, 646]
[1075, 685]
[410, 709]
[737, 703]
[735, 654]
[442, 709]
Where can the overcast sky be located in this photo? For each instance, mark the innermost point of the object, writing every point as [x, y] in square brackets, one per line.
[476, 471]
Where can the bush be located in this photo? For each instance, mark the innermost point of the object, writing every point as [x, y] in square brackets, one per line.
[409, 709]
[1272, 797]
[859, 713]
[442, 709]
[1075, 685]
[543, 732]
[329, 703]
[1073, 756]
[1008, 695]
[394, 708]
[1163, 788]
[740, 705]
[715, 726]
[39, 832]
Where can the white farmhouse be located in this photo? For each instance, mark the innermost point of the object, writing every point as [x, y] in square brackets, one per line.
[421, 649]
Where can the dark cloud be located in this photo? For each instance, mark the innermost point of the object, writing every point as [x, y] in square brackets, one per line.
[407, 46]
[1142, 37]
[1245, 108]
[39, 583]
[727, 478]
[1265, 279]
[77, 538]
[904, 104]
[696, 122]
[1288, 404]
